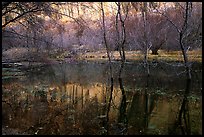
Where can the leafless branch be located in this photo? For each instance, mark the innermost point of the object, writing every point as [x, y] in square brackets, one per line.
[178, 30]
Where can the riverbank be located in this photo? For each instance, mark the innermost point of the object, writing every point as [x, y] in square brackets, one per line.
[25, 55]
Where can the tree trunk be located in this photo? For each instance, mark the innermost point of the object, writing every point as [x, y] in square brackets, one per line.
[154, 51]
[110, 66]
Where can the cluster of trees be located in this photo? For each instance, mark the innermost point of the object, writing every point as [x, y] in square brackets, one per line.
[121, 26]
[151, 24]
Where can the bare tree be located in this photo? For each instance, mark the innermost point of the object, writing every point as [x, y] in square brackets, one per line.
[183, 31]
[79, 27]
[157, 35]
[185, 34]
[143, 39]
[121, 35]
[121, 39]
[16, 11]
[110, 66]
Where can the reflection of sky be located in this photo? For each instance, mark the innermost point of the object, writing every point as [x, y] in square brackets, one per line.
[78, 83]
[160, 116]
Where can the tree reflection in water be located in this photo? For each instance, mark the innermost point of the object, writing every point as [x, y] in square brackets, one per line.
[122, 118]
[140, 110]
[65, 106]
[182, 124]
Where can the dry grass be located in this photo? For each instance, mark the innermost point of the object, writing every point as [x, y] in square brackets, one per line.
[195, 55]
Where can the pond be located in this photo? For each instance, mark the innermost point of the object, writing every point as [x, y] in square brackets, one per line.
[72, 99]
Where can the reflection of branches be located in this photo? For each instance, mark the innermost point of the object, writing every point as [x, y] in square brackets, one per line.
[140, 110]
[47, 120]
[10, 105]
[185, 113]
[184, 124]
[5, 4]
[122, 110]
[185, 110]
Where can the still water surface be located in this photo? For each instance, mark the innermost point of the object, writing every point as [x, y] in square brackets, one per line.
[72, 98]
